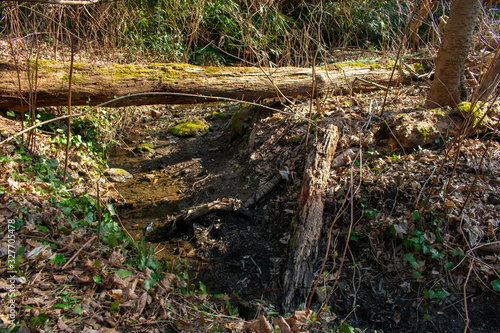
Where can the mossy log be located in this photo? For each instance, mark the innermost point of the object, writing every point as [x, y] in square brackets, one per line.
[303, 249]
[95, 84]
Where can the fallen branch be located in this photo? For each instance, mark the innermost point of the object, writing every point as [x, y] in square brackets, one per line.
[186, 218]
[303, 251]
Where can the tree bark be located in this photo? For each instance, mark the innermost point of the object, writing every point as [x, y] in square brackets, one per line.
[491, 79]
[449, 85]
[303, 250]
[93, 85]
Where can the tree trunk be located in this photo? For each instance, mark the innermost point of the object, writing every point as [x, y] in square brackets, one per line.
[425, 8]
[491, 80]
[303, 250]
[93, 84]
[449, 85]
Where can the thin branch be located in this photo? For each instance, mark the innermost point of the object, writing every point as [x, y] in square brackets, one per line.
[61, 2]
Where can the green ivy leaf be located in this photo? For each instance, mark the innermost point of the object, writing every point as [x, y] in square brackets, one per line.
[78, 309]
[449, 265]
[496, 285]
[123, 273]
[112, 240]
[346, 328]
[427, 317]
[115, 307]
[203, 289]
[58, 259]
[416, 215]
[42, 228]
[39, 320]
[111, 209]
[97, 279]
[148, 284]
[411, 259]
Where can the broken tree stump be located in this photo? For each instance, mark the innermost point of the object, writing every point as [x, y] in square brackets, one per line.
[303, 248]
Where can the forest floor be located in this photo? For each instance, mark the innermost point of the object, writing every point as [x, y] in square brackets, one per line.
[407, 268]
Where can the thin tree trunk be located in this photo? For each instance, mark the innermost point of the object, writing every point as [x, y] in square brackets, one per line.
[449, 85]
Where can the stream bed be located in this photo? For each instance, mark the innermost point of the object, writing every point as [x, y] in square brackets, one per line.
[231, 254]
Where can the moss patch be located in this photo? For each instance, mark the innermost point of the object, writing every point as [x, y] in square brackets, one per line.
[354, 64]
[438, 112]
[189, 128]
[118, 175]
[144, 148]
[476, 112]
[74, 78]
[219, 115]
[241, 121]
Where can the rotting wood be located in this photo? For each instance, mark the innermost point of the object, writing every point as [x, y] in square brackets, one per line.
[187, 217]
[93, 84]
[266, 189]
[303, 248]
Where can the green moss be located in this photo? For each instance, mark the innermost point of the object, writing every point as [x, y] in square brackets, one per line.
[419, 67]
[78, 65]
[438, 111]
[74, 78]
[43, 66]
[213, 70]
[144, 148]
[476, 112]
[425, 133]
[189, 128]
[220, 115]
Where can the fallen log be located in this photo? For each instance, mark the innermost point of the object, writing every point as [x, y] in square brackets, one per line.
[95, 84]
[303, 248]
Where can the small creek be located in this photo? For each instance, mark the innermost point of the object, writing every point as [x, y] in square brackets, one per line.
[229, 253]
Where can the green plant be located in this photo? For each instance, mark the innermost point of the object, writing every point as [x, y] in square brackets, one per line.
[437, 293]
[66, 301]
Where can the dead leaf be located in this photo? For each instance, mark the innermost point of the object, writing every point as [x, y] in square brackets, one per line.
[299, 318]
[107, 330]
[113, 281]
[197, 299]
[42, 292]
[60, 278]
[283, 325]
[140, 304]
[61, 325]
[235, 326]
[260, 325]
[165, 285]
[81, 277]
[115, 293]
[39, 252]
[6, 212]
[116, 258]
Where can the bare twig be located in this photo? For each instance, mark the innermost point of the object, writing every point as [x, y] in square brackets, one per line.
[91, 240]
